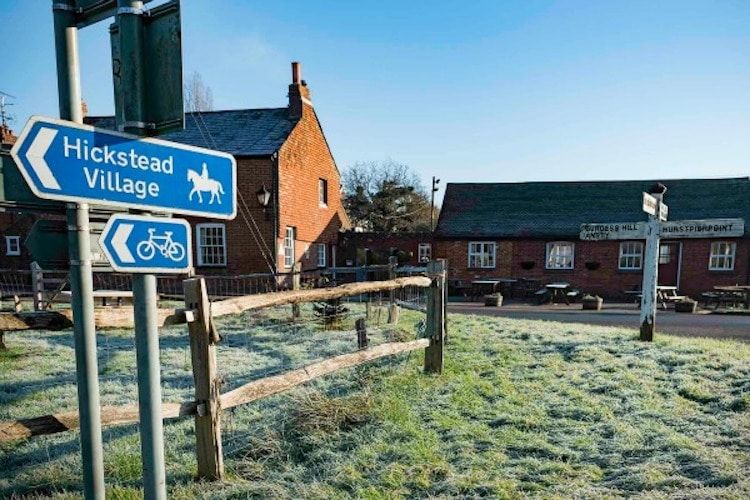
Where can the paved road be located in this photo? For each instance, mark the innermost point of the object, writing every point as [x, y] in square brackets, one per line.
[689, 325]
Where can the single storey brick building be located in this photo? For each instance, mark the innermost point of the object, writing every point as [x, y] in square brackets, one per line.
[289, 203]
[365, 248]
[531, 230]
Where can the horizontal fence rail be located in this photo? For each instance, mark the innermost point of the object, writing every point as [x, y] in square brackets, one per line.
[122, 317]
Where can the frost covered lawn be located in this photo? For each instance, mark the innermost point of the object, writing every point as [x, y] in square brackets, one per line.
[525, 408]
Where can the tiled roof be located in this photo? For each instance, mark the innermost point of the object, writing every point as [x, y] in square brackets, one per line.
[557, 209]
[242, 132]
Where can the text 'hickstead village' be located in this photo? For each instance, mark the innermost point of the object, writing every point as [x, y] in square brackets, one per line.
[117, 181]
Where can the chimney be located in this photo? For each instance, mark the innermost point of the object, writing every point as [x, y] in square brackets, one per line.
[299, 94]
[84, 108]
[7, 138]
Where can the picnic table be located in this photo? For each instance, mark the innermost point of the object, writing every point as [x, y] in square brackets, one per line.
[729, 294]
[557, 291]
[483, 287]
[665, 295]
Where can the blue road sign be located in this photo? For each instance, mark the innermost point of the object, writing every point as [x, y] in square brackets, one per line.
[68, 161]
[141, 244]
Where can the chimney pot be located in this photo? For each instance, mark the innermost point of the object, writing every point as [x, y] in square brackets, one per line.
[296, 72]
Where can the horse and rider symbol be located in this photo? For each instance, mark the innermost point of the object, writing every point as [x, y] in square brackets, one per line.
[203, 183]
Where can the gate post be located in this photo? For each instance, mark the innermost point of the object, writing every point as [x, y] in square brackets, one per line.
[433, 354]
[37, 286]
[296, 285]
[207, 384]
[392, 306]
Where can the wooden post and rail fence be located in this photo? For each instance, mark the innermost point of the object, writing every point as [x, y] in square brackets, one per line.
[209, 401]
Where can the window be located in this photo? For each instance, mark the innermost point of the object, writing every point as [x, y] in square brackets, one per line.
[12, 245]
[722, 256]
[481, 254]
[322, 260]
[323, 192]
[212, 244]
[665, 254]
[289, 247]
[424, 252]
[560, 255]
[631, 255]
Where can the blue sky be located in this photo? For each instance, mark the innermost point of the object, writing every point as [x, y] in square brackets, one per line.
[469, 91]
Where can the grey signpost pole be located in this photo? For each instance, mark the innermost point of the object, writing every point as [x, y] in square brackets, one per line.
[130, 25]
[650, 273]
[81, 280]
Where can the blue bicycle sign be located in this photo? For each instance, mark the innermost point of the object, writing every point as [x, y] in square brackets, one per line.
[140, 244]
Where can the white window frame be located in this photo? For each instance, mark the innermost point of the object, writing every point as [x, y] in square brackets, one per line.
[289, 247]
[200, 244]
[424, 252]
[549, 264]
[322, 255]
[665, 253]
[484, 252]
[13, 245]
[727, 258]
[631, 252]
[322, 192]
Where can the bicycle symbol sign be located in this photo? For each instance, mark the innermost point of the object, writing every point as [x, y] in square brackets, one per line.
[141, 244]
[168, 248]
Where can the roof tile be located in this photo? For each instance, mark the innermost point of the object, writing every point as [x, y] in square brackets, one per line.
[242, 132]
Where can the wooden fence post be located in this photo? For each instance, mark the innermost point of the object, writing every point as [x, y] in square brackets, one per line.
[361, 326]
[37, 286]
[296, 285]
[445, 301]
[392, 306]
[433, 354]
[203, 340]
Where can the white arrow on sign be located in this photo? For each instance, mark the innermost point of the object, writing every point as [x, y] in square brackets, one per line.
[36, 153]
[120, 243]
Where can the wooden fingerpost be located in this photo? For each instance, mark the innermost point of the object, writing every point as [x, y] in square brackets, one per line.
[207, 384]
[392, 306]
[296, 285]
[361, 326]
[433, 354]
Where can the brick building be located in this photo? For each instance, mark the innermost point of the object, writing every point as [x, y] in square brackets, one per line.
[531, 230]
[289, 203]
[15, 225]
[366, 248]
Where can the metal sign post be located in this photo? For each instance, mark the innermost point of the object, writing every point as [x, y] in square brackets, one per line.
[651, 261]
[81, 280]
[132, 82]
[74, 163]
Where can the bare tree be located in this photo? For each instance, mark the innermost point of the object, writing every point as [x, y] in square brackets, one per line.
[385, 196]
[198, 95]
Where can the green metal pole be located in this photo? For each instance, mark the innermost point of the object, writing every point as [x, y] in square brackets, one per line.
[81, 280]
[132, 74]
